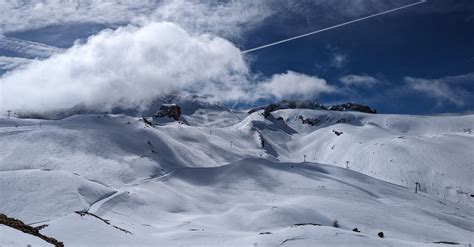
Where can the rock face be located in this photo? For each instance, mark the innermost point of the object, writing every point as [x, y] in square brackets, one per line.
[352, 107]
[289, 104]
[169, 110]
[308, 104]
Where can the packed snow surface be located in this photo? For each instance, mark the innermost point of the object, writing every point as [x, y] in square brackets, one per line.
[220, 178]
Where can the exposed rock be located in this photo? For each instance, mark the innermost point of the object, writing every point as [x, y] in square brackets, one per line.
[305, 224]
[146, 121]
[447, 242]
[35, 231]
[352, 107]
[337, 132]
[308, 104]
[169, 110]
[288, 104]
[85, 213]
[310, 121]
[189, 104]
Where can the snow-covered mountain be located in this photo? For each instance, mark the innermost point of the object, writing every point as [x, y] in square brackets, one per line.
[291, 177]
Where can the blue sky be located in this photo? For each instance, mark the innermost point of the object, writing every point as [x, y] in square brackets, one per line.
[431, 41]
[416, 61]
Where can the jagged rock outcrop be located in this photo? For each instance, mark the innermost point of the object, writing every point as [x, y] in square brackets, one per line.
[169, 110]
[352, 107]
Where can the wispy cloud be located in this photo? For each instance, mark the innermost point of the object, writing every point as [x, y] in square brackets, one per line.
[224, 18]
[25, 15]
[339, 60]
[218, 17]
[359, 80]
[28, 48]
[9, 63]
[447, 89]
[338, 9]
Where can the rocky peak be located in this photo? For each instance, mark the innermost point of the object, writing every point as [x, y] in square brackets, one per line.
[352, 107]
[169, 110]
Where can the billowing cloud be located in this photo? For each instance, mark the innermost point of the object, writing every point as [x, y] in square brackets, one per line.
[170, 46]
[294, 85]
[446, 89]
[129, 65]
[359, 80]
[132, 65]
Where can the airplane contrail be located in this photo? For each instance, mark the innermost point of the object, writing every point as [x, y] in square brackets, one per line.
[333, 27]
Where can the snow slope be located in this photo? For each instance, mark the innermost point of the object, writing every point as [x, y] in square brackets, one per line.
[13, 238]
[433, 151]
[231, 179]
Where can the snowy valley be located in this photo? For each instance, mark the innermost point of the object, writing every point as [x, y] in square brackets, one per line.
[284, 176]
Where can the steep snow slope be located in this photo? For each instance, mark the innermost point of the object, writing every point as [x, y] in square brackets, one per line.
[433, 151]
[217, 182]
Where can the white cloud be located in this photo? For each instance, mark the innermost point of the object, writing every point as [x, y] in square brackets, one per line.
[24, 15]
[446, 89]
[294, 85]
[359, 80]
[133, 65]
[28, 48]
[458, 79]
[224, 18]
[129, 65]
[145, 59]
[9, 63]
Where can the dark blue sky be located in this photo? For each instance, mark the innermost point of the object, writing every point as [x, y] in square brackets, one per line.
[430, 41]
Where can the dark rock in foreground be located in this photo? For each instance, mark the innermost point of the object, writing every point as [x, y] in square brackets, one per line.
[34, 231]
